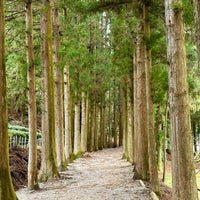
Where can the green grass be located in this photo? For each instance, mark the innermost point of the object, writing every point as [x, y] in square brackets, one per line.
[198, 182]
[198, 179]
[168, 180]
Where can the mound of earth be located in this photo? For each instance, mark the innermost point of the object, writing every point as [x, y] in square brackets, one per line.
[19, 166]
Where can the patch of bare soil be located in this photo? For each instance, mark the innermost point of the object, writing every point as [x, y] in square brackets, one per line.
[19, 166]
[166, 192]
[101, 175]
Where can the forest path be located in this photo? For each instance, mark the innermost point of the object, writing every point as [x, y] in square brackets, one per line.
[101, 175]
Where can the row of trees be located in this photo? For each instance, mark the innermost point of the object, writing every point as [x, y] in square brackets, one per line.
[96, 74]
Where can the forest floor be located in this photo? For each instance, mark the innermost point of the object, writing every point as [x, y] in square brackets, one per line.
[102, 175]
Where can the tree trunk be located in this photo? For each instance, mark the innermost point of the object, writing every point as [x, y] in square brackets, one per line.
[135, 105]
[92, 126]
[194, 136]
[90, 121]
[130, 126]
[153, 170]
[59, 121]
[125, 129]
[164, 142]
[141, 149]
[109, 122]
[121, 116]
[48, 165]
[102, 122]
[183, 172]
[83, 124]
[157, 130]
[32, 113]
[77, 144]
[96, 127]
[197, 26]
[67, 111]
[115, 117]
[6, 187]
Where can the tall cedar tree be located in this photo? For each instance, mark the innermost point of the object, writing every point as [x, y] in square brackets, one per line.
[59, 117]
[153, 170]
[32, 113]
[197, 23]
[6, 186]
[183, 171]
[48, 164]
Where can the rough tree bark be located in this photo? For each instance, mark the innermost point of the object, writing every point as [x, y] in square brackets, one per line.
[59, 119]
[115, 123]
[102, 122]
[77, 136]
[6, 187]
[141, 135]
[83, 123]
[197, 26]
[153, 169]
[125, 128]
[96, 127]
[48, 165]
[67, 111]
[129, 122]
[157, 129]
[32, 113]
[183, 171]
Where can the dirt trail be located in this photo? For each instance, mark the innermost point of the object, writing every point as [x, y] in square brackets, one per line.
[101, 175]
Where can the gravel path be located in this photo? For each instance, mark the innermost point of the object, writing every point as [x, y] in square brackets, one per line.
[101, 175]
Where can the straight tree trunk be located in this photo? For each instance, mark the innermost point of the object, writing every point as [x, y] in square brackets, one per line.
[6, 187]
[135, 107]
[153, 170]
[125, 128]
[158, 118]
[32, 113]
[90, 121]
[130, 125]
[87, 122]
[164, 142]
[194, 136]
[197, 26]
[102, 122]
[183, 172]
[83, 123]
[68, 113]
[115, 118]
[109, 122]
[120, 118]
[141, 150]
[77, 137]
[59, 121]
[96, 127]
[48, 165]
